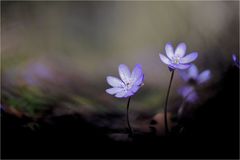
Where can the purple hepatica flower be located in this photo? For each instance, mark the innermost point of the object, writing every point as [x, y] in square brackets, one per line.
[188, 93]
[193, 78]
[129, 83]
[176, 59]
[235, 60]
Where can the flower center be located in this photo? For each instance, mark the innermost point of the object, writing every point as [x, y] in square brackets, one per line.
[128, 86]
[176, 60]
[192, 81]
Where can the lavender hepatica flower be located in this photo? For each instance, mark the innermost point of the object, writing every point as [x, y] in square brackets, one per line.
[192, 75]
[235, 60]
[176, 59]
[129, 83]
[193, 79]
[188, 93]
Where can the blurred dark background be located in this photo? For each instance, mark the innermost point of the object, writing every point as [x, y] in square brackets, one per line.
[55, 57]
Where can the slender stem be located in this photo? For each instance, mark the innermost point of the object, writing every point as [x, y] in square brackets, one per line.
[166, 102]
[129, 126]
[180, 112]
[181, 108]
[183, 105]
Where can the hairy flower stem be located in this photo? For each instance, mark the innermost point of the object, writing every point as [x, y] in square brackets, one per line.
[166, 103]
[129, 126]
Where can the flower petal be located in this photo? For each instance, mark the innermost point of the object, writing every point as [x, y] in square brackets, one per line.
[132, 90]
[113, 91]
[180, 50]
[188, 93]
[169, 50]
[192, 97]
[235, 60]
[124, 73]
[189, 58]
[204, 76]
[193, 71]
[139, 81]
[164, 59]
[121, 94]
[185, 91]
[234, 57]
[114, 82]
[128, 94]
[136, 73]
[184, 75]
[180, 66]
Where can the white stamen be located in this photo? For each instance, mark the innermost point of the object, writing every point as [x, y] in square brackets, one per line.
[176, 60]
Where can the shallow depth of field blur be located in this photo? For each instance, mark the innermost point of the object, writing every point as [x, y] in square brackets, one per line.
[55, 56]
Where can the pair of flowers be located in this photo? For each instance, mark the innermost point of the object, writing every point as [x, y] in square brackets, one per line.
[130, 83]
